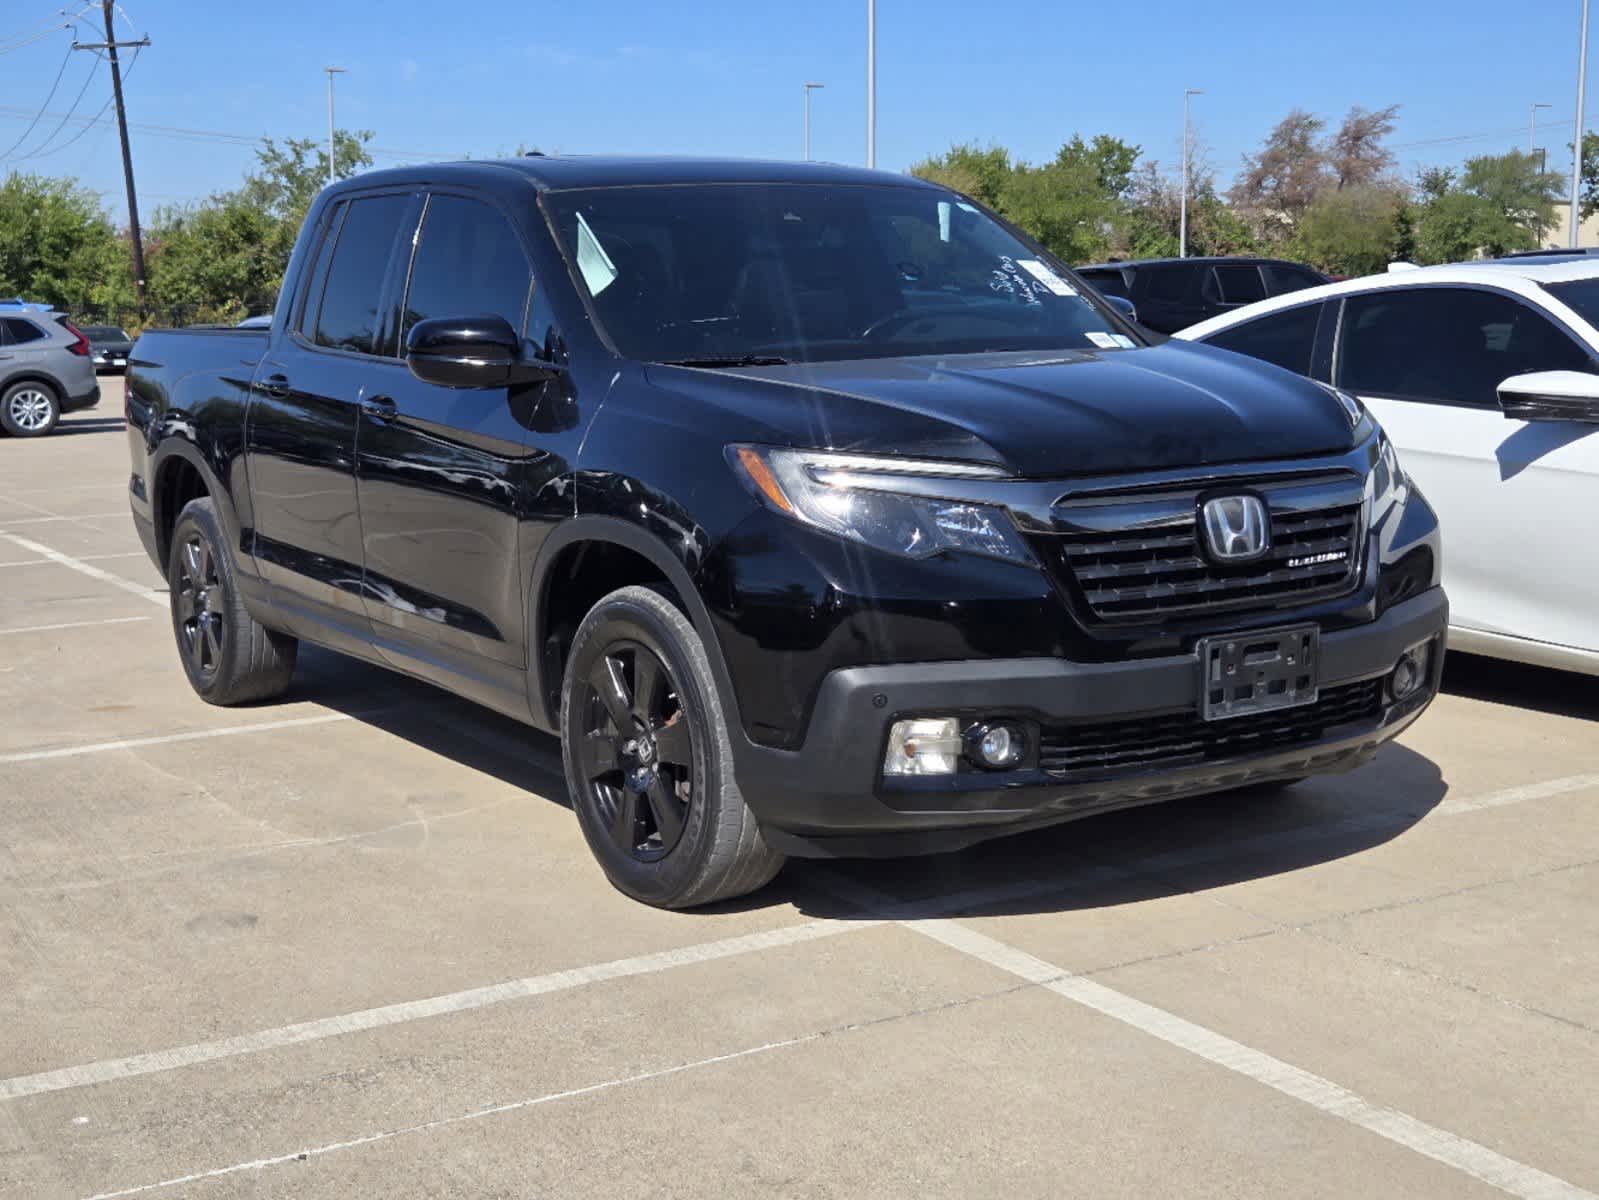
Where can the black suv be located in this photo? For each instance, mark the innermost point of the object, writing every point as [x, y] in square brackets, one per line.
[1173, 293]
[818, 511]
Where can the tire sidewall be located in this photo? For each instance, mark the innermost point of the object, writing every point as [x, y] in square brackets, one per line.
[199, 516]
[17, 430]
[624, 617]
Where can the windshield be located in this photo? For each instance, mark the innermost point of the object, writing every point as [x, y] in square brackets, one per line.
[105, 333]
[1581, 296]
[731, 273]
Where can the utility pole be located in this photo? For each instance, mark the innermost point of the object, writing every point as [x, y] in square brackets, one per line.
[871, 83]
[111, 46]
[1182, 220]
[809, 88]
[332, 71]
[1532, 127]
[1576, 145]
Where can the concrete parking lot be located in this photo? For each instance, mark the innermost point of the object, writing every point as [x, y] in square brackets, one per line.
[353, 944]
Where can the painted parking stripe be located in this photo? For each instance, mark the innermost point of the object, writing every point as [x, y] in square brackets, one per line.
[89, 569]
[1516, 795]
[54, 517]
[413, 1010]
[71, 625]
[37, 562]
[194, 735]
[1471, 1158]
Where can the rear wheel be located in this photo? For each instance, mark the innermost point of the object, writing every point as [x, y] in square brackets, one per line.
[649, 762]
[229, 657]
[29, 409]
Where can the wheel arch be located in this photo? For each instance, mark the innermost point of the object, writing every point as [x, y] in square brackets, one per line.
[547, 657]
[179, 474]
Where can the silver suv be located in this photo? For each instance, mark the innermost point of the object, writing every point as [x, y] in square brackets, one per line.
[45, 369]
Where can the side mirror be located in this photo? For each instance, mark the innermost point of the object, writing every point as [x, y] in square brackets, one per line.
[1122, 305]
[1551, 396]
[472, 352]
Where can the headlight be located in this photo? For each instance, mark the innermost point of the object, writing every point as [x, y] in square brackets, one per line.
[854, 497]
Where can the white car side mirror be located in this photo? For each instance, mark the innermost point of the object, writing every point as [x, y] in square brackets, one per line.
[1551, 396]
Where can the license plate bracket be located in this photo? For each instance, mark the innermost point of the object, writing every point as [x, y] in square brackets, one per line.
[1258, 671]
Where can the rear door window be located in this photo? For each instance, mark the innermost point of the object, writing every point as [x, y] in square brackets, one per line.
[1284, 277]
[1166, 282]
[1284, 338]
[1107, 283]
[348, 317]
[1448, 345]
[19, 332]
[1239, 283]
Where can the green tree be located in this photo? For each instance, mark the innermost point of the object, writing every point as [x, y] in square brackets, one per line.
[58, 246]
[1351, 231]
[1518, 199]
[1111, 161]
[980, 172]
[1588, 194]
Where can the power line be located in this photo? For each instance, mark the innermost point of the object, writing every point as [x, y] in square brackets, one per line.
[90, 122]
[62, 124]
[24, 40]
[34, 124]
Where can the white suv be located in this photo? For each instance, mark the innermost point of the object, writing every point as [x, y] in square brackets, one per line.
[45, 369]
[1486, 377]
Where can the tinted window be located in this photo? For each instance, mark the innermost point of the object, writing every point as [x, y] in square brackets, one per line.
[1240, 283]
[1581, 295]
[469, 261]
[813, 272]
[1281, 278]
[1107, 283]
[1453, 345]
[349, 314]
[19, 332]
[1284, 338]
[1165, 283]
[104, 333]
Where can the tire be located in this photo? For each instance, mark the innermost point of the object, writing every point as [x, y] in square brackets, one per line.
[29, 409]
[649, 763]
[229, 657]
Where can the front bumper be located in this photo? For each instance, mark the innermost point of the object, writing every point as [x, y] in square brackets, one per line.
[829, 798]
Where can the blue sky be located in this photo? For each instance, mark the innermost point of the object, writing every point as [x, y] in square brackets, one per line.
[693, 76]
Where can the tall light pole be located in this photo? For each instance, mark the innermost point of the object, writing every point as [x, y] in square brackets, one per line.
[809, 88]
[1576, 145]
[1532, 127]
[871, 83]
[332, 71]
[1182, 220]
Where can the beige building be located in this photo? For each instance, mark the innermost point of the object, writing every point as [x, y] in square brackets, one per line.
[1560, 236]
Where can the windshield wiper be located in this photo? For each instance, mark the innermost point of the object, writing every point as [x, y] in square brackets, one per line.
[730, 360]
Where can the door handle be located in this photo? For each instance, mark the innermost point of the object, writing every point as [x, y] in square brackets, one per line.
[276, 386]
[379, 408]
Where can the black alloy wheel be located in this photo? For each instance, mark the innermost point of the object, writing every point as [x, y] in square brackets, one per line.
[201, 604]
[637, 751]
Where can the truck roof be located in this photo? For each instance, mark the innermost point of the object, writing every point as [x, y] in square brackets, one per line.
[555, 172]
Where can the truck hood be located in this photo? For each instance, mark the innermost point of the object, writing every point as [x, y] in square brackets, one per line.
[1042, 414]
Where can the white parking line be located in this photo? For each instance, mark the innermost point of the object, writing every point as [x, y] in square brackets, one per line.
[70, 625]
[12, 521]
[1515, 795]
[1469, 1157]
[413, 1010]
[195, 735]
[84, 568]
[36, 562]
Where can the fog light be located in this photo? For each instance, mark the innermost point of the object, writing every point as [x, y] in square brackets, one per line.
[996, 746]
[1409, 673]
[925, 746]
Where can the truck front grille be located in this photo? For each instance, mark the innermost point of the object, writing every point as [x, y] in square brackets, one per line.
[1123, 747]
[1136, 559]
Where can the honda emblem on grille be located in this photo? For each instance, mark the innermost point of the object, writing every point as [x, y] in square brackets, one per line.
[1237, 528]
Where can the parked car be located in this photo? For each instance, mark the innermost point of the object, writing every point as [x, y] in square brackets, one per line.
[1172, 293]
[263, 321]
[108, 347]
[45, 369]
[1486, 376]
[816, 511]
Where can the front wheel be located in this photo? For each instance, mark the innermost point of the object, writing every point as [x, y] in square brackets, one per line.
[649, 763]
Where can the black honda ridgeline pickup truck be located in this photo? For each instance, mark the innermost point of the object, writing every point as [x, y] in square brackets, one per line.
[817, 510]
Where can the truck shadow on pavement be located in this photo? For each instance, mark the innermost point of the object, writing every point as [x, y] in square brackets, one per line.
[1114, 859]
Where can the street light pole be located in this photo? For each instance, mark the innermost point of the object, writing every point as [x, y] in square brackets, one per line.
[1182, 220]
[809, 87]
[1576, 146]
[332, 71]
[1532, 127]
[871, 83]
